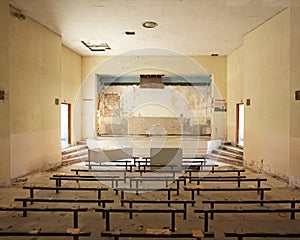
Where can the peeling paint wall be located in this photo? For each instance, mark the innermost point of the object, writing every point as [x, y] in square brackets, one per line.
[142, 64]
[172, 110]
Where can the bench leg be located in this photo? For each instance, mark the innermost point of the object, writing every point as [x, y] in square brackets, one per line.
[258, 185]
[206, 222]
[107, 225]
[31, 194]
[24, 205]
[261, 194]
[173, 222]
[125, 174]
[193, 195]
[99, 195]
[103, 206]
[57, 184]
[130, 213]
[137, 185]
[75, 219]
[122, 195]
[212, 206]
[185, 210]
[293, 213]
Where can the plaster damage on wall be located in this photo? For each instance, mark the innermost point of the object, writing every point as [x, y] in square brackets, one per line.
[173, 110]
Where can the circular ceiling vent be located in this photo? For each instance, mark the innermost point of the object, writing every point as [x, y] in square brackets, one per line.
[150, 24]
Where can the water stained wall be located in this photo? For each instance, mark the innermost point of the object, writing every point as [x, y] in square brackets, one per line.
[173, 110]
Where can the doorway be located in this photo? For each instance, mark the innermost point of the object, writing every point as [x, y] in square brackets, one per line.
[65, 124]
[240, 124]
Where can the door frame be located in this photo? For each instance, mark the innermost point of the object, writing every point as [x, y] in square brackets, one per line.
[238, 123]
[69, 121]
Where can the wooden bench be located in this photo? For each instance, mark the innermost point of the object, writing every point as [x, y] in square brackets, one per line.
[51, 200]
[238, 180]
[57, 189]
[201, 159]
[151, 211]
[200, 166]
[126, 166]
[238, 171]
[212, 203]
[173, 172]
[190, 178]
[113, 179]
[137, 190]
[156, 166]
[169, 202]
[165, 179]
[46, 209]
[124, 163]
[125, 170]
[158, 233]
[159, 179]
[259, 210]
[141, 162]
[70, 232]
[242, 235]
[199, 188]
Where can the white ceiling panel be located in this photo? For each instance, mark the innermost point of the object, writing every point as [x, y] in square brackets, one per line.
[189, 27]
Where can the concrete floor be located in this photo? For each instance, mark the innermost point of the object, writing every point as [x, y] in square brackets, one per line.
[93, 222]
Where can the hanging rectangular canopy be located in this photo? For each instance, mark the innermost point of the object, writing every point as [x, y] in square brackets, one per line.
[185, 80]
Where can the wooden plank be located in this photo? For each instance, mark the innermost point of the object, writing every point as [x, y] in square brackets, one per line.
[158, 231]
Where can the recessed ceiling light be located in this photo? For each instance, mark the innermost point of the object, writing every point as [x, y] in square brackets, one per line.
[130, 32]
[150, 24]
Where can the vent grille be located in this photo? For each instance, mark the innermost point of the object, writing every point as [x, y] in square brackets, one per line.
[151, 81]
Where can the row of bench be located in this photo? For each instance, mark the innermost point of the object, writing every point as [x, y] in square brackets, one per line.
[198, 188]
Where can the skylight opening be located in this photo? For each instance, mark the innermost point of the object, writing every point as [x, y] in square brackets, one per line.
[94, 47]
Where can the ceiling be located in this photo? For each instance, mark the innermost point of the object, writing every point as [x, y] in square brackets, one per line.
[188, 27]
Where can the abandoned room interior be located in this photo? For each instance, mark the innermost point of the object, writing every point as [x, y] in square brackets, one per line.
[154, 119]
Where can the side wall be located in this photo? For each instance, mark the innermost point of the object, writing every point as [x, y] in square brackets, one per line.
[260, 71]
[35, 63]
[70, 86]
[295, 105]
[4, 85]
[235, 90]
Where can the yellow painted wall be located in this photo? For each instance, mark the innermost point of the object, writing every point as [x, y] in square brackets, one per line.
[295, 105]
[213, 65]
[217, 66]
[70, 86]
[235, 90]
[4, 85]
[260, 71]
[266, 84]
[35, 64]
